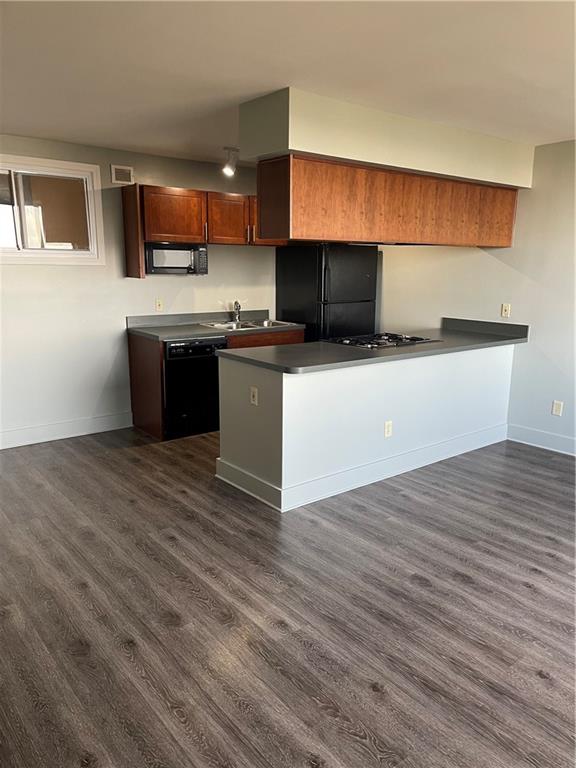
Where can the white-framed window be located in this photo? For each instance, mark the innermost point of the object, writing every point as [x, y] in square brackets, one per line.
[50, 212]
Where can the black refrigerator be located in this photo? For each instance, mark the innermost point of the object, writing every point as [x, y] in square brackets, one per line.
[329, 287]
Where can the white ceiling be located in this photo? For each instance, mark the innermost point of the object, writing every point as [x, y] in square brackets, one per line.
[166, 78]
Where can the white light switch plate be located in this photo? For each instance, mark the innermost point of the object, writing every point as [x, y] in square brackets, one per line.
[557, 407]
[387, 429]
[506, 310]
[253, 395]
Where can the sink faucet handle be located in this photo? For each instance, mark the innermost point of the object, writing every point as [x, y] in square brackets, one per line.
[237, 310]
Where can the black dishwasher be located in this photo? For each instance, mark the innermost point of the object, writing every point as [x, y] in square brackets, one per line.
[191, 398]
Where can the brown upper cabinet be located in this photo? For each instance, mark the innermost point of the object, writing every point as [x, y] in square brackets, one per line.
[497, 216]
[255, 238]
[228, 218]
[174, 215]
[318, 199]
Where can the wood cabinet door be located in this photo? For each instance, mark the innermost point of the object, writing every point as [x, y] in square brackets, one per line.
[228, 218]
[332, 201]
[321, 199]
[255, 239]
[445, 212]
[272, 338]
[497, 215]
[329, 201]
[174, 215]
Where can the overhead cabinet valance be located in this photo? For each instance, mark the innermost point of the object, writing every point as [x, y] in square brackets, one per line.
[309, 198]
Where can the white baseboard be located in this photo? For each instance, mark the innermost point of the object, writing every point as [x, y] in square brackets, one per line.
[540, 438]
[250, 484]
[42, 433]
[319, 488]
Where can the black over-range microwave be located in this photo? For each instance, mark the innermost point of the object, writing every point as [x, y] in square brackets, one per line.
[176, 259]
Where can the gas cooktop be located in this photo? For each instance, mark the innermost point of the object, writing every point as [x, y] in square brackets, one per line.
[382, 340]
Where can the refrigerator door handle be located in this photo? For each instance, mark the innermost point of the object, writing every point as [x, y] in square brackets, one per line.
[324, 274]
[326, 282]
[325, 324]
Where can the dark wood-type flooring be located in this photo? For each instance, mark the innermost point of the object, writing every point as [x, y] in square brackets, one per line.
[151, 616]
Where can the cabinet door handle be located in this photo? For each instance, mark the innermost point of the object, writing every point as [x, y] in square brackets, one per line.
[206, 231]
[248, 233]
[253, 233]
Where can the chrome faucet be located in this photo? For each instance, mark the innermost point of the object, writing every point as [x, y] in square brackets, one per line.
[237, 310]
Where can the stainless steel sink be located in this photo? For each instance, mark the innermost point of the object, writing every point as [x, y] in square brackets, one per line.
[231, 326]
[270, 323]
[245, 326]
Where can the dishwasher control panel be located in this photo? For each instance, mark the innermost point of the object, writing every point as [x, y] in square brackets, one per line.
[204, 347]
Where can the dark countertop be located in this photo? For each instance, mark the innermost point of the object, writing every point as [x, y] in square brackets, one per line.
[455, 335]
[184, 327]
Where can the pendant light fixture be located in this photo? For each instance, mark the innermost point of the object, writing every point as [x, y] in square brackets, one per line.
[229, 169]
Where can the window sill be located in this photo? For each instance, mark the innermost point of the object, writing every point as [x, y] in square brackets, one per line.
[52, 257]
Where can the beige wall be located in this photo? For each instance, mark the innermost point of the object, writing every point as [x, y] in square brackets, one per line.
[325, 126]
[64, 359]
[264, 125]
[421, 284]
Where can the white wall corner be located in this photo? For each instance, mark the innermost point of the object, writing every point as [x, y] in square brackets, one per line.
[540, 438]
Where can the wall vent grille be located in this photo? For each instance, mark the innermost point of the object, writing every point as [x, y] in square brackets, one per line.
[122, 174]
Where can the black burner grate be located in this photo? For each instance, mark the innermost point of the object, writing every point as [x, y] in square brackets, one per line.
[382, 340]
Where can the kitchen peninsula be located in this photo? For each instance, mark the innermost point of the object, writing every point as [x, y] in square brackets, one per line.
[303, 422]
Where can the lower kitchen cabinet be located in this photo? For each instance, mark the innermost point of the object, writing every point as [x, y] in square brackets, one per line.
[146, 360]
[174, 385]
[272, 338]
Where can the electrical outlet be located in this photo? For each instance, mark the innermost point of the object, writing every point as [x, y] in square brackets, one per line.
[253, 395]
[387, 429]
[506, 310]
[159, 305]
[557, 407]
